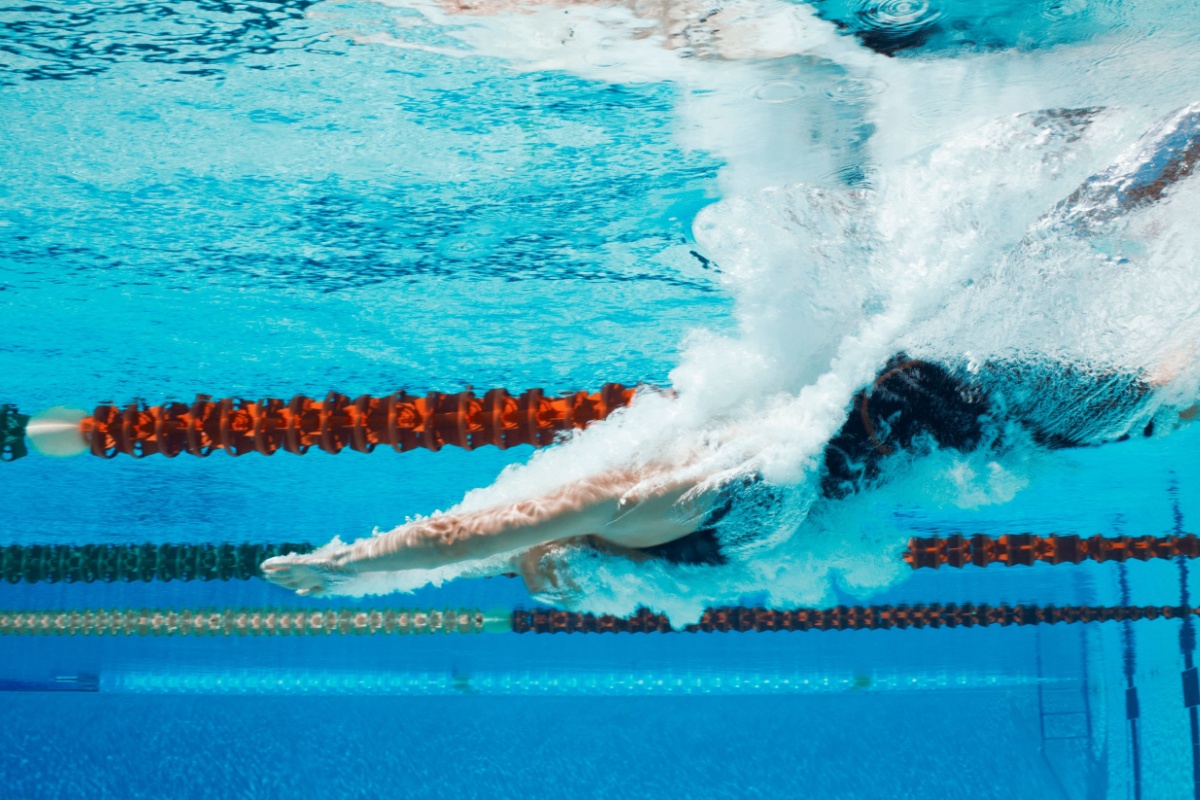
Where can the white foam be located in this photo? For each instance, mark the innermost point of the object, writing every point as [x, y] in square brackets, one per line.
[933, 257]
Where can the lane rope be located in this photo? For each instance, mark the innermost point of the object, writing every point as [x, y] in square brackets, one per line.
[133, 563]
[237, 426]
[389, 622]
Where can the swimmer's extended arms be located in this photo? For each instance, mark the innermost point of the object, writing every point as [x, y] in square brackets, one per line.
[590, 507]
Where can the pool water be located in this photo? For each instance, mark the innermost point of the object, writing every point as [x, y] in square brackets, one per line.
[752, 205]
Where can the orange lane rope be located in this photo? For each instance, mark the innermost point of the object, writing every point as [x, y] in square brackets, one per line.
[1026, 549]
[400, 421]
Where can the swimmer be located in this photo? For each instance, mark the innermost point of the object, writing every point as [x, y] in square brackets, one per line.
[912, 408]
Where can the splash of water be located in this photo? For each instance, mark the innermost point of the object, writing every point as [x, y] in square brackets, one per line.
[978, 236]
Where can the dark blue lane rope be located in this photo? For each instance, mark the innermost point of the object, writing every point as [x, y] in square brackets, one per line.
[1187, 646]
[1129, 662]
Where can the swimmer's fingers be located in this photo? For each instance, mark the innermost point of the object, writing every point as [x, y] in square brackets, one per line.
[305, 575]
[537, 574]
[281, 565]
[276, 572]
[547, 576]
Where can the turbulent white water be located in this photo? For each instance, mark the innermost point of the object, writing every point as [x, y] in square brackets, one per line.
[957, 242]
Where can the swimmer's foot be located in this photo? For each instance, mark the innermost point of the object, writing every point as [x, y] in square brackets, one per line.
[309, 574]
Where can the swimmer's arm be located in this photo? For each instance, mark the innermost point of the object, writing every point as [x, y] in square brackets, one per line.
[547, 573]
[591, 507]
[573, 511]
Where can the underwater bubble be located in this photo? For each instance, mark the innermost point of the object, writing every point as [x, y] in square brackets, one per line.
[930, 114]
[1060, 9]
[892, 26]
[778, 92]
[898, 16]
[603, 54]
[856, 90]
[602, 58]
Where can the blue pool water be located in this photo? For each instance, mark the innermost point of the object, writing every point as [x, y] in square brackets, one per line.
[754, 204]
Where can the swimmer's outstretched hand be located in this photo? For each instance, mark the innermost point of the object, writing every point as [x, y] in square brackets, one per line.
[581, 508]
[309, 574]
